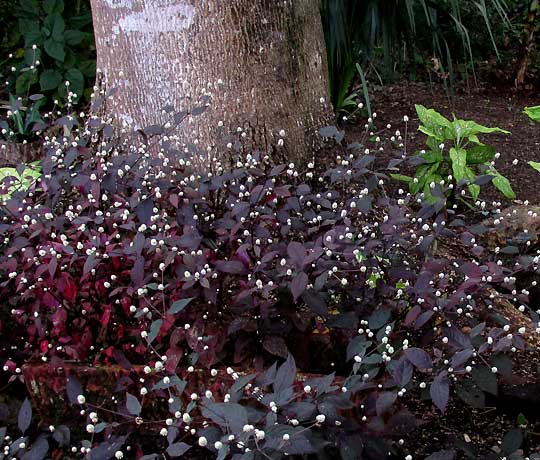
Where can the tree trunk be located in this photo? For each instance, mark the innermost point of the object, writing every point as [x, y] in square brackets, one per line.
[262, 64]
[527, 43]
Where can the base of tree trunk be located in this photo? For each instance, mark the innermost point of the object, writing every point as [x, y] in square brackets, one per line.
[12, 154]
[260, 65]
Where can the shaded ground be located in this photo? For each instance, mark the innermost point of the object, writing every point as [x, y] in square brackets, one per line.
[477, 431]
[490, 107]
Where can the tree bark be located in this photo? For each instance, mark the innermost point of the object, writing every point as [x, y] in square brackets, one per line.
[261, 63]
[527, 43]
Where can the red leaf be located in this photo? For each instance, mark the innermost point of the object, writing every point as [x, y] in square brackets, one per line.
[106, 316]
[70, 290]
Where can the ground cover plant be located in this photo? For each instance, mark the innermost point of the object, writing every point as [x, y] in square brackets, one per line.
[251, 309]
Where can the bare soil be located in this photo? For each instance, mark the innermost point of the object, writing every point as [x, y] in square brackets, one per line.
[490, 106]
[478, 431]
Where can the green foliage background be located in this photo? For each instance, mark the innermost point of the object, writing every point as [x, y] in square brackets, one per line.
[389, 39]
[62, 32]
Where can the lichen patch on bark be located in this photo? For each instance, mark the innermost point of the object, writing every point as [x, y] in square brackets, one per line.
[165, 19]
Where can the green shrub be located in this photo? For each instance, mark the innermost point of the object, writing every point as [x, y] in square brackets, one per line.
[19, 179]
[53, 44]
[455, 157]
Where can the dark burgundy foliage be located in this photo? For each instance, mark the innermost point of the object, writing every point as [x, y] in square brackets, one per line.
[122, 257]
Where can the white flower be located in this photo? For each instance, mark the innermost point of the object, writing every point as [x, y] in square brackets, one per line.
[90, 428]
[119, 454]
[203, 441]
[164, 432]
[81, 399]
[186, 418]
[320, 418]
[286, 437]
[218, 445]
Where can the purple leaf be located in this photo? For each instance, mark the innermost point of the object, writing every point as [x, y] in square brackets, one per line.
[154, 330]
[108, 448]
[179, 305]
[177, 449]
[419, 358]
[25, 416]
[144, 210]
[74, 389]
[62, 435]
[385, 401]
[440, 392]
[285, 376]
[230, 416]
[137, 272]
[39, 450]
[233, 267]
[461, 357]
[89, 264]
[402, 372]
[315, 301]
[298, 285]
[121, 359]
[133, 405]
[296, 253]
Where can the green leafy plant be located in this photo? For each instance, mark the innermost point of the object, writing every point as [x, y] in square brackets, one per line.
[22, 120]
[394, 38]
[455, 157]
[62, 35]
[18, 179]
[54, 45]
[534, 114]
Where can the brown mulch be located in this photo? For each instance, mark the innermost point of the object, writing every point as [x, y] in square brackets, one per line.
[489, 106]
